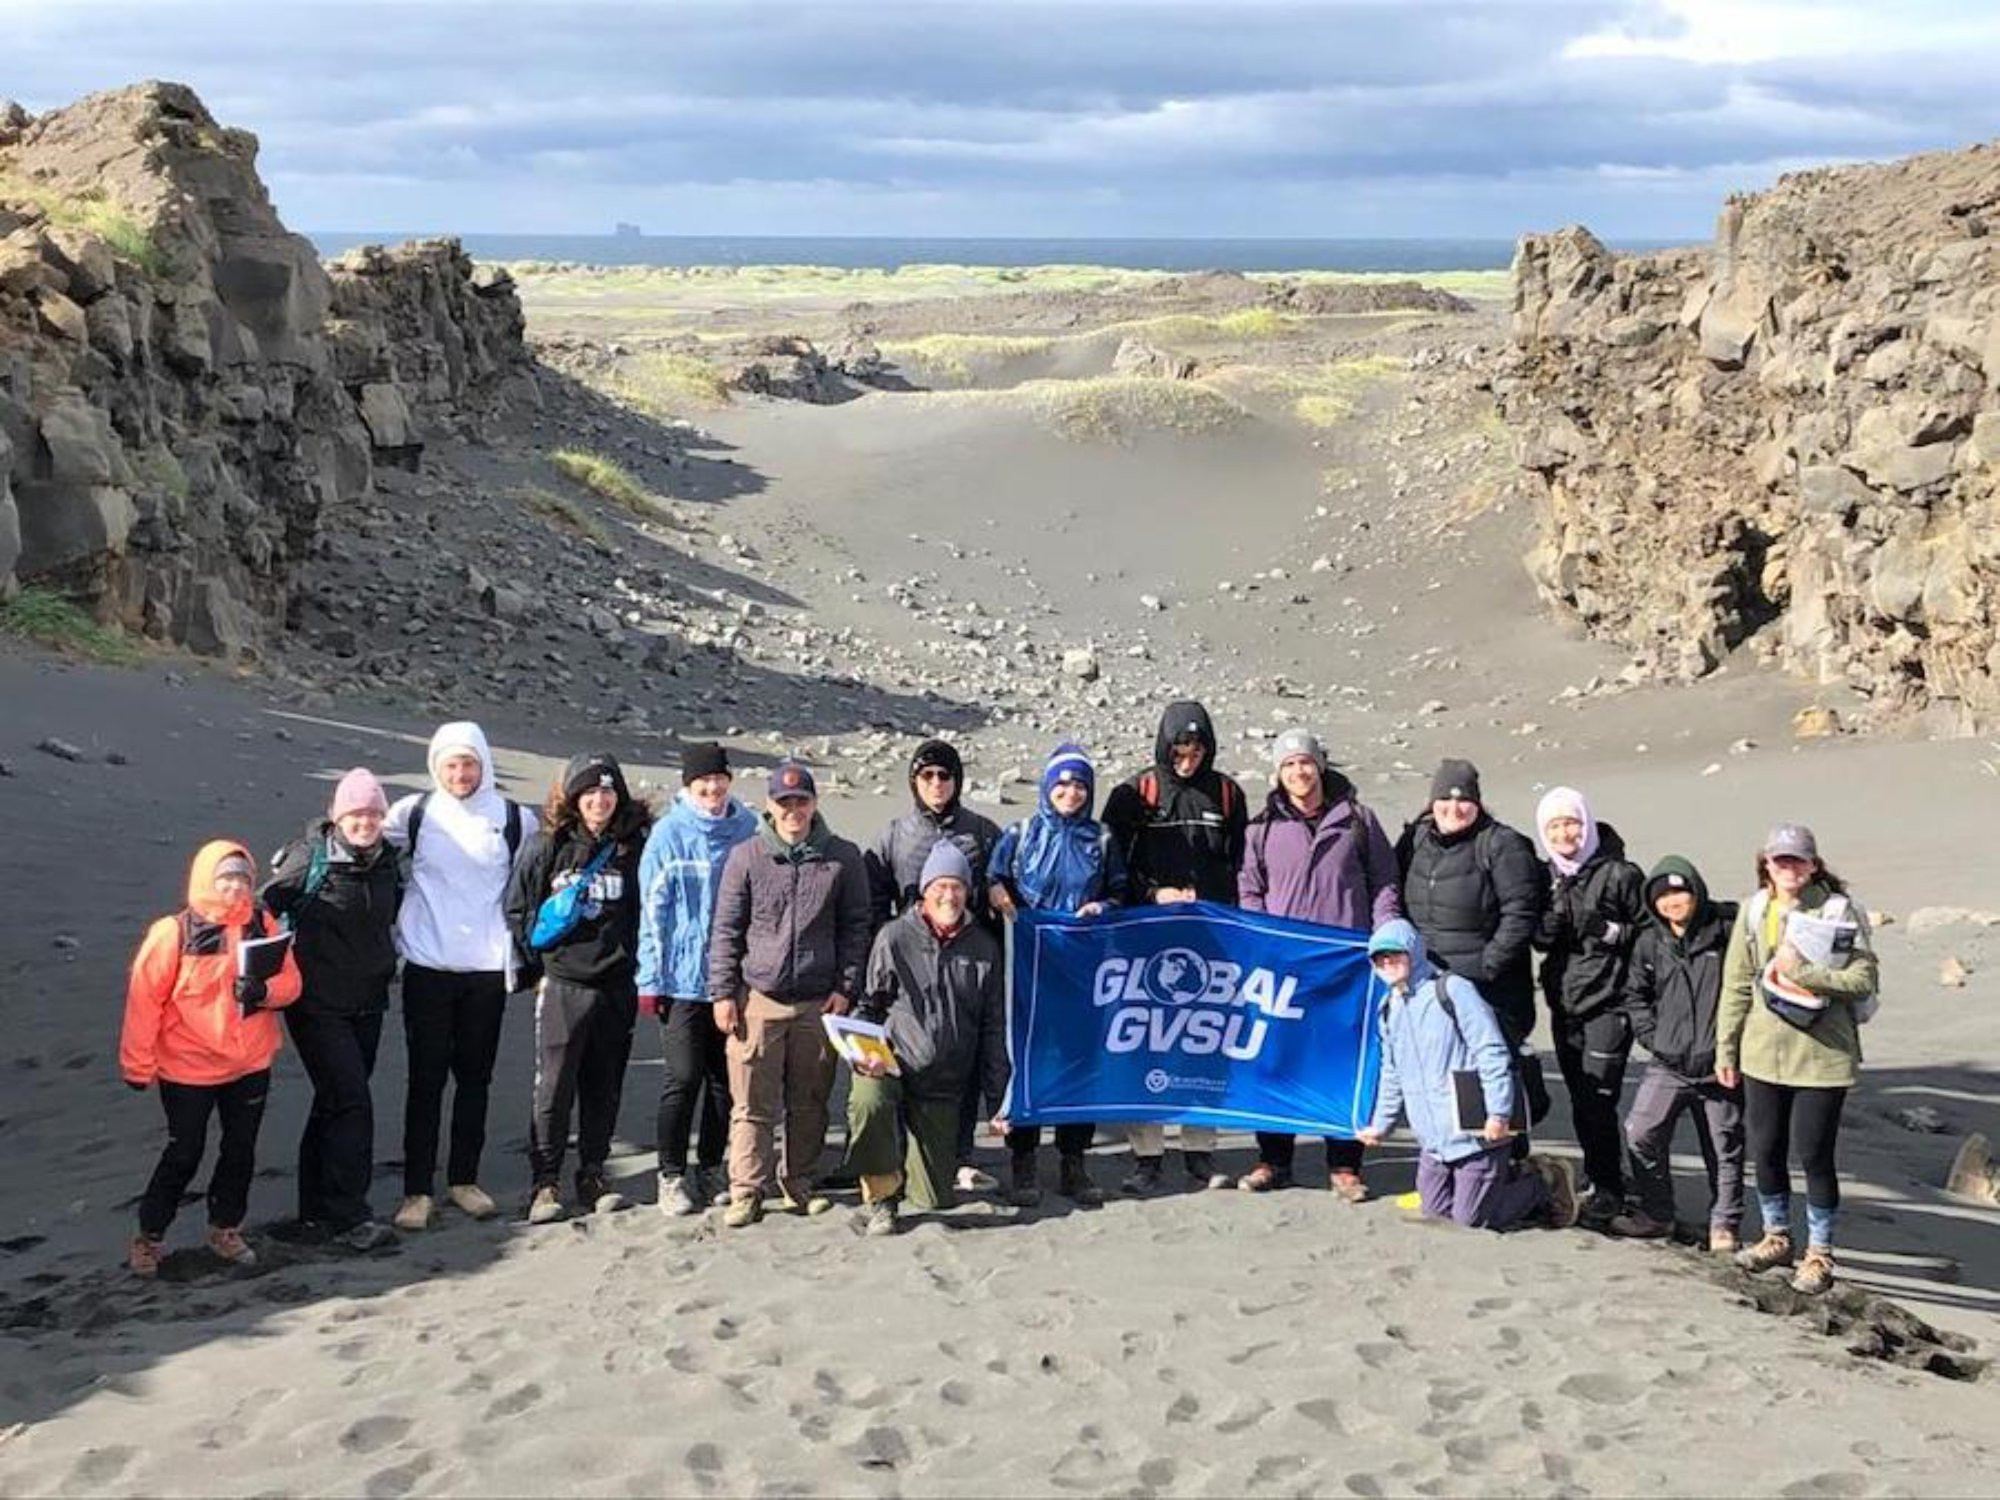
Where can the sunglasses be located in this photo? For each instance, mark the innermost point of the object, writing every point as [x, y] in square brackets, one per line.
[935, 773]
[1379, 959]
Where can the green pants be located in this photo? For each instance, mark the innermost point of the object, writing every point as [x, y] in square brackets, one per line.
[877, 1113]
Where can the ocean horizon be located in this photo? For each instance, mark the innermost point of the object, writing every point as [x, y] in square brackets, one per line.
[885, 253]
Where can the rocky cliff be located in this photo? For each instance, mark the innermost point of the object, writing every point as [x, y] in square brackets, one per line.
[184, 389]
[1791, 437]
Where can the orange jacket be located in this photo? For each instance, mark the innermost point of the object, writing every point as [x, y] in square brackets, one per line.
[182, 1022]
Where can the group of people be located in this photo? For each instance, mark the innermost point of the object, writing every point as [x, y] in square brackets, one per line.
[737, 931]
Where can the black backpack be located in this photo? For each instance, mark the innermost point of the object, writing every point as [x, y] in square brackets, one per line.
[513, 827]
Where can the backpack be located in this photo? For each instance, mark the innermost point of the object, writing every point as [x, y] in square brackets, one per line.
[1149, 792]
[513, 830]
[1530, 1103]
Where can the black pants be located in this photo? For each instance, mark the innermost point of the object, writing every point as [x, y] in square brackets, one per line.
[1281, 1151]
[583, 1039]
[1776, 1118]
[1071, 1140]
[452, 1025]
[337, 1147]
[240, 1105]
[694, 1084]
[1592, 1054]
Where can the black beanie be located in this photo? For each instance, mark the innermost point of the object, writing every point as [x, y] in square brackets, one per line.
[703, 758]
[1456, 778]
[938, 753]
[597, 768]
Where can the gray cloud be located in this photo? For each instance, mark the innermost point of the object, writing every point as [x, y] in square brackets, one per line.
[1022, 116]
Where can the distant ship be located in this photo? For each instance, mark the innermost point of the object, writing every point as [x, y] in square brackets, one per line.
[628, 231]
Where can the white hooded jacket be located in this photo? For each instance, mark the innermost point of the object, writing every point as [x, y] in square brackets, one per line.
[451, 918]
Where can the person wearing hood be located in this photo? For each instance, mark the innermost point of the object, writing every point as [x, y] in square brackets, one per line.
[593, 834]
[1473, 887]
[788, 945]
[1315, 854]
[1673, 988]
[459, 842]
[1064, 860]
[1181, 825]
[205, 1037]
[896, 861]
[1795, 1062]
[1596, 906]
[677, 879]
[934, 982]
[338, 889]
[1440, 1042]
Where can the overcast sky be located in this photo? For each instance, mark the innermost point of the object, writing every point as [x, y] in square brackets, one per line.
[1036, 117]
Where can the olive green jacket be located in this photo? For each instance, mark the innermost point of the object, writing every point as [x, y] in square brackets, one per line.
[1749, 1037]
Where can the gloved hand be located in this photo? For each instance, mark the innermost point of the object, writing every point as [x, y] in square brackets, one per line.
[1602, 929]
[649, 1005]
[251, 994]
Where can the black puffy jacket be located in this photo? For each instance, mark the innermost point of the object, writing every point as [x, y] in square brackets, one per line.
[1477, 897]
[1673, 986]
[1588, 927]
[346, 927]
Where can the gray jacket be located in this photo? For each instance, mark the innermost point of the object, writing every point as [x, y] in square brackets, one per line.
[791, 921]
[944, 1005]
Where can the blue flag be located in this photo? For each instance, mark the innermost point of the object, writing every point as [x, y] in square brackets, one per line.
[1195, 1012]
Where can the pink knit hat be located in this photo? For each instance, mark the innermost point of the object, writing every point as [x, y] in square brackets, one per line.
[358, 791]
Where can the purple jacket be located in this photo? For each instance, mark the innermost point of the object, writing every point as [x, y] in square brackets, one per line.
[1339, 871]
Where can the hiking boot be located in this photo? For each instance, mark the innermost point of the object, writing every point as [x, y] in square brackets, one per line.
[971, 1180]
[879, 1220]
[1722, 1240]
[596, 1195]
[1814, 1276]
[1348, 1187]
[1973, 1175]
[366, 1236]
[230, 1245]
[1201, 1171]
[144, 1256]
[1144, 1179]
[1023, 1190]
[546, 1207]
[1599, 1209]
[1073, 1182]
[676, 1202]
[414, 1215]
[472, 1200]
[1637, 1224]
[1560, 1182]
[1264, 1178]
[804, 1201]
[742, 1213]
[1774, 1249]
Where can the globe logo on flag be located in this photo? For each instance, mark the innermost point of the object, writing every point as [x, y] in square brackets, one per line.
[1175, 976]
[1157, 1081]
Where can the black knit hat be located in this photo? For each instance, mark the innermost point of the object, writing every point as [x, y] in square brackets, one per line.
[703, 758]
[941, 753]
[594, 769]
[1456, 778]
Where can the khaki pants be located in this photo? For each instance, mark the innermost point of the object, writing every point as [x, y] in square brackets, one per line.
[1151, 1140]
[780, 1069]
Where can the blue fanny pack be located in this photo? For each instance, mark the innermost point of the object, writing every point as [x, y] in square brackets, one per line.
[558, 916]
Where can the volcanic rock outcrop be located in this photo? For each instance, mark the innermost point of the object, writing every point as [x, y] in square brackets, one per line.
[1792, 436]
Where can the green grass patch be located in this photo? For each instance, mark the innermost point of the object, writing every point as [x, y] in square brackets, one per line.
[605, 479]
[958, 358]
[1109, 408]
[92, 212]
[48, 619]
[666, 381]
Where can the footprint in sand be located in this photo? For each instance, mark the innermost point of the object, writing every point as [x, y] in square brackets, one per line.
[98, 1467]
[1276, 1468]
[391, 1484]
[1157, 1474]
[1366, 1485]
[1246, 1416]
[1380, 1356]
[1323, 1411]
[955, 1393]
[1840, 1485]
[372, 1434]
[882, 1448]
[1186, 1407]
[514, 1402]
[704, 1461]
[1601, 1389]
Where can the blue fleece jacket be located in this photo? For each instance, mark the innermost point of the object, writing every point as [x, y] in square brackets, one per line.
[677, 876]
[1422, 1046]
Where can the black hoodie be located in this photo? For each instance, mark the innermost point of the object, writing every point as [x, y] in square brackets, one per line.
[1190, 831]
[602, 950]
[1588, 928]
[1674, 984]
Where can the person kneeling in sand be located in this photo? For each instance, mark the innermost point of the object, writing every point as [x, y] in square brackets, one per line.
[1436, 1032]
[934, 983]
[206, 1036]
[788, 944]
